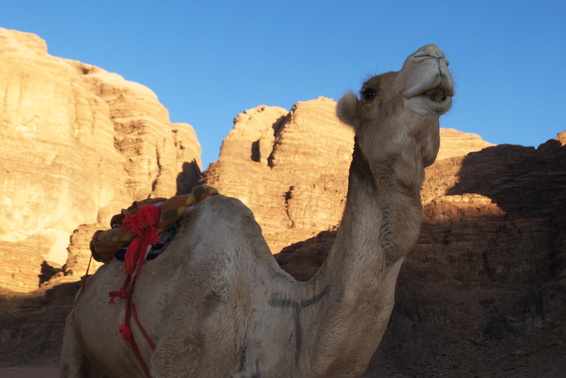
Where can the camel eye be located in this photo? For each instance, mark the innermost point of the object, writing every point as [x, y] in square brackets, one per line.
[368, 94]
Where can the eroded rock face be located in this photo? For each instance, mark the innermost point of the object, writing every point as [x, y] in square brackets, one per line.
[503, 212]
[487, 278]
[493, 220]
[288, 167]
[456, 143]
[561, 137]
[291, 168]
[78, 144]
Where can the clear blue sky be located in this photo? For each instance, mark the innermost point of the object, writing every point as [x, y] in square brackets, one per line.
[209, 60]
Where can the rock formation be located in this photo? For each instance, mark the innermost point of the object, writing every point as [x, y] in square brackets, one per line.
[456, 143]
[269, 162]
[78, 144]
[486, 281]
[489, 270]
[561, 138]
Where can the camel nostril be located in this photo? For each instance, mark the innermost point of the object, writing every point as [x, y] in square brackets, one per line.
[422, 57]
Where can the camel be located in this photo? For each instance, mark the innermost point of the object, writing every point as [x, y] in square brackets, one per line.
[216, 303]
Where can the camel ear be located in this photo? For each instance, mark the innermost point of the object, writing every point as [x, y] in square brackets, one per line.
[347, 110]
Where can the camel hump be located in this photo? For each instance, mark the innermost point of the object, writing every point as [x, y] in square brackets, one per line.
[222, 210]
[222, 223]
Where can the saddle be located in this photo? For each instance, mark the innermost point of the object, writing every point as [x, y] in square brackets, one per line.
[106, 244]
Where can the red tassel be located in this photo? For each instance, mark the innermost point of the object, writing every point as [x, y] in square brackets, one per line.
[146, 217]
[126, 333]
[123, 292]
[132, 254]
[118, 294]
[152, 237]
[144, 225]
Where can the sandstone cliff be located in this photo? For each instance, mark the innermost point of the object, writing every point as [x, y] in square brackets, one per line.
[283, 165]
[456, 143]
[78, 144]
[291, 168]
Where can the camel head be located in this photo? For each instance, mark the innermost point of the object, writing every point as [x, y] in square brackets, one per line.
[400, 110]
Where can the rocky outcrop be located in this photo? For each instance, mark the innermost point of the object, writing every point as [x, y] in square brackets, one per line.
[78, 144]
[291, 168]
[561, 137]
[515, 198]
[288, 167]
[456, 143]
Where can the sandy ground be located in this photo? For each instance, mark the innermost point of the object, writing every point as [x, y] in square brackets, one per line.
[36, 372]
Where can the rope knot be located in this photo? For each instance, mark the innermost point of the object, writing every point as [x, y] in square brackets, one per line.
[142, 224]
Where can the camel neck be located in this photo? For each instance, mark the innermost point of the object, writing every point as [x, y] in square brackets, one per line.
[379, 227]
[383, 213]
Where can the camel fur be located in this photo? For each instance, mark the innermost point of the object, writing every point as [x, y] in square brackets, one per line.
[216, 303]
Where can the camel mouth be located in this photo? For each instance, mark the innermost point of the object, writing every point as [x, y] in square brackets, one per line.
[439, 91]
[437, 95]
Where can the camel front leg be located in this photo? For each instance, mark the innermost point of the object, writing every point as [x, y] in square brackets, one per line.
[74, 363]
